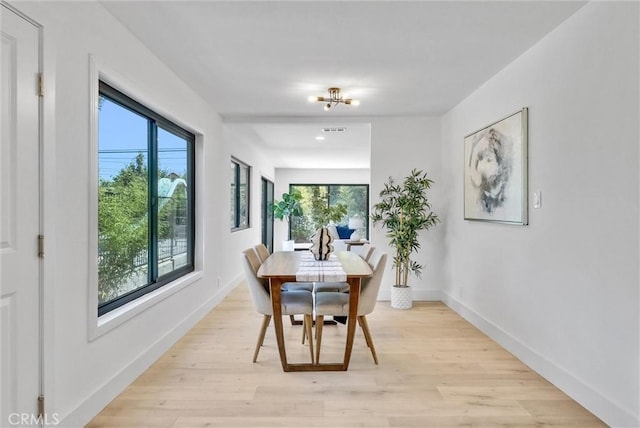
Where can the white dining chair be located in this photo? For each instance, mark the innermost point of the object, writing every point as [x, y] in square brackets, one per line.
[293, 302]
[343, 287]
[262, 251]
[336, 303]
[367, 250]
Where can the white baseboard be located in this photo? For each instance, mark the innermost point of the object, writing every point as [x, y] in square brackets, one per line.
[93, 404]
[605, 409]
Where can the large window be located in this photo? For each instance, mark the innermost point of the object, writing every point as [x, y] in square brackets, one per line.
[240, 179]
[316, 196]
[145, 200]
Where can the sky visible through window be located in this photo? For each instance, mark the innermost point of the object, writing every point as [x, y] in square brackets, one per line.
[122, 135]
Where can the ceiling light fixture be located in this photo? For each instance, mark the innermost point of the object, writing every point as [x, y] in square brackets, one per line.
[335, 97]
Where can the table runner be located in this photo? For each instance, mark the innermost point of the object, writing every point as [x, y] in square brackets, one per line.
[311, 269]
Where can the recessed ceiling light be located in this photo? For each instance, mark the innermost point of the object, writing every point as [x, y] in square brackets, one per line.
[319, 138]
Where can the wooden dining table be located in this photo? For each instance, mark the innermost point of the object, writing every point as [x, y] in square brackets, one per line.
[281, 267]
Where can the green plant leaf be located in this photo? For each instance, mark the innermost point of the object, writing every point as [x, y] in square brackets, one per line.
[404, 210]
[288, 206]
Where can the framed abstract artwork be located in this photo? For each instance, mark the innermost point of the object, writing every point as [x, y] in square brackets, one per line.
[495, 171]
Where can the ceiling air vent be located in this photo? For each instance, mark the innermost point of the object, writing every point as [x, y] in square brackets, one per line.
[334, 129]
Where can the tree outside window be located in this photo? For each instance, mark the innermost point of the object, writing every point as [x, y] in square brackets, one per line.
[145, 200]
[316, 198]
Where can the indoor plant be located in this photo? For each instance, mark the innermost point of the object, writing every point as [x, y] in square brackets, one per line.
[326, 215]
[404, 210]
[285, 208]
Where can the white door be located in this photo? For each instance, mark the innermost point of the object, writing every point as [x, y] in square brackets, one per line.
[19, 221]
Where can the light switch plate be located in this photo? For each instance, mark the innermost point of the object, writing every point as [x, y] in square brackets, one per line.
[537, 199]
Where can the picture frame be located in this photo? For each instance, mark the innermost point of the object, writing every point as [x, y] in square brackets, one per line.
[495, 171]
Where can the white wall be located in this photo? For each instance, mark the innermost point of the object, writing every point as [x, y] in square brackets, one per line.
[561, 293]
[399, 145]
[82, 376]
[249, 152]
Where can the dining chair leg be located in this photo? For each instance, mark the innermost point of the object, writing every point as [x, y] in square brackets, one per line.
[265, 323]
[367, 335]
[319, 324]
[366, 338]
[308, 323]
[304, 331]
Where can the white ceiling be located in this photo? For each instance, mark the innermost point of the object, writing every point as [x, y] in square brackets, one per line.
[255, 60]
[297, 145]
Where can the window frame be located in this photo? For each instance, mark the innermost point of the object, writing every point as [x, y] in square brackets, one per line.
[236, 196]
[268, 218]
[155, 121]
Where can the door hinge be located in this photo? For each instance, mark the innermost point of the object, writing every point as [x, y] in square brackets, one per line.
[41, 406]
[41, 246]
[40, 85]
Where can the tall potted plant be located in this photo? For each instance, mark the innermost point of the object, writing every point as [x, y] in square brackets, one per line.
[284, 209]
[404, 210]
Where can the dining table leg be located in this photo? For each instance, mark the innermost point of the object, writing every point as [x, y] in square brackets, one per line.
[276, 304]
[354, 293]
[275, 285]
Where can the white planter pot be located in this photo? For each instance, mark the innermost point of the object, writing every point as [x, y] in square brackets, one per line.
[401, 297]
[288, 245]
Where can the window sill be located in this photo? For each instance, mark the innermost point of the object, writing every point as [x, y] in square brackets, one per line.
[238, 229]
[107, 322]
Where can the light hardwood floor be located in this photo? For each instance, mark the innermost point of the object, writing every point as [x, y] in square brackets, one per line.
[436, 370]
